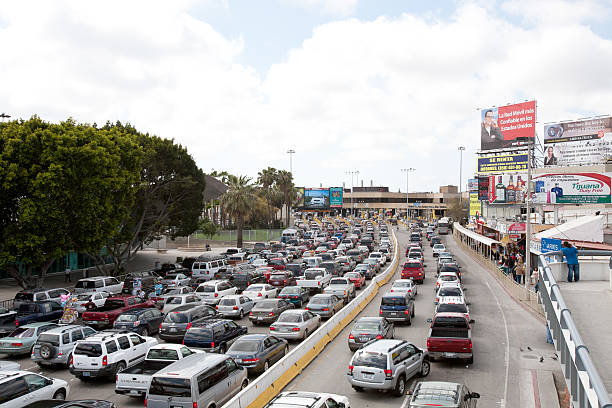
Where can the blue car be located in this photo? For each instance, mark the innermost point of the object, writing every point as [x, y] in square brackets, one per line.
[144, 321]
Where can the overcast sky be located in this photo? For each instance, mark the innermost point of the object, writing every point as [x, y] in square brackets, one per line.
[368, 85]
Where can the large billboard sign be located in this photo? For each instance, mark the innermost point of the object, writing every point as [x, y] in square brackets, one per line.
[579, 142]
[299, 201]
[335, 197]
[507, 188]
[316, 198]
[501, 127]
[475, 205]
[502, 164]
[572, 188]
[483, 188]
[473, 184]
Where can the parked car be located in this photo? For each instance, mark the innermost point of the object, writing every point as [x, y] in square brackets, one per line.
[160, 300]
[367, 329]
[143, 321]
[218, 378]
[18, 388]
[257, 352]
[89, 301]
[387, 365]
[295, 294]
[260, 291]
[113, 307]
[295, 324]
[107, 353]
[430, 393]
[325, 305]
[268, 310]
[175, 324]
[46, 311]
[212, 291]
[99, 284]
[173, 302]
[236, 306]
[7, 321]
[450, 336]
[397, 307]
[176, 279]
[145, 281]
[39, 295]
[54, 346]
[214, 335]
[22, 339]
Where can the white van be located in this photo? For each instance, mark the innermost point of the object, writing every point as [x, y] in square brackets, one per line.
[313, 261]
[289, 234]
[206, 268]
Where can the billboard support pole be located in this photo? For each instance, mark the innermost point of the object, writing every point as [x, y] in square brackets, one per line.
[461, 149]
[407, 171]
[528, 225]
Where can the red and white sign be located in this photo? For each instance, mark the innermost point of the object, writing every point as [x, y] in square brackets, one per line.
[517, 228]
[517, 120]
[492, 189]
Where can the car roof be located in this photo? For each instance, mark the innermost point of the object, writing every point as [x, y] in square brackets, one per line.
[138, 310]
[37, 324]
[64, 329]
[211, 322]
[384, 345]
[438, 392]
[255, 336]
[370, 319]
[191, 365]
[451, 300]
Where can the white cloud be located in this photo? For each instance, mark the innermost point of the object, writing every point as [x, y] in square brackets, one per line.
[374, 96]
[333, 7]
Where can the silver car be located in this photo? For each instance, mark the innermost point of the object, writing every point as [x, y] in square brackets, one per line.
[295, 324]
[235, 306]
[55, 345]
[406, 286]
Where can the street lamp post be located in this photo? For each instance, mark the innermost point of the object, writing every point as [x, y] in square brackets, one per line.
[407, 171]
[291, 152]
[353, 173]
[461, 149]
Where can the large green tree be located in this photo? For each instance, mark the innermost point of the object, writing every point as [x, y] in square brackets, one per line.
[63, 187]
[284, 181]
[266, 179]
[238, 201]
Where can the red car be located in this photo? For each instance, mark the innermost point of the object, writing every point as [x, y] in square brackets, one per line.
[113, 307]
[413, 269]
[277, 263]
[356, 279]
[266, 271]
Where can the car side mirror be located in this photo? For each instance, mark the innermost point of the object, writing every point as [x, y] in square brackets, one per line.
[435, 303]
[472, 321]
[430, 320]
[475, 395]
[468, 303]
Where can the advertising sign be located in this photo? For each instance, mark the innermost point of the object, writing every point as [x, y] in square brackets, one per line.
[335, 197]
[316, 199]
[517, 228]
[299, 201]
[579, 142]
[475, 205]
[572, 188]
[500, 127]
[550, 245]
[502, 164]
[507, 188]
[473, 184]
[483, 188]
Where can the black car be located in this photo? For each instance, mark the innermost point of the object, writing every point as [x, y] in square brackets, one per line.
[71, 404]
[297, 268]
[242, 280]
[175, 324]
[213, 336]
[332, 268]
[147, 281]
[142, 321]
[367, 329]
[257, 352]
[434, 241]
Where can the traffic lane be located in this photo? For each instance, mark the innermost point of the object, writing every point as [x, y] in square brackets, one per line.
[328, 372]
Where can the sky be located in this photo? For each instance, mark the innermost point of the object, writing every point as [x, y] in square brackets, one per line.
[372, 86]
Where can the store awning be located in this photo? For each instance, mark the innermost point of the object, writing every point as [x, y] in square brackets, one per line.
[477, 237]
[588, 228]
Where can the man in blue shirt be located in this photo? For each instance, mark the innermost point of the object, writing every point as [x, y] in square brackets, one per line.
[571, 254]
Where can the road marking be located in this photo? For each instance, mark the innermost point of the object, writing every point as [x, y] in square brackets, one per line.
[507, 354]
[405, 403]
[536, 388]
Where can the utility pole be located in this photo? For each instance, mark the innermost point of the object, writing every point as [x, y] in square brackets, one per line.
[291, 152]
[528, 226]
[407, 171]
[461, 149]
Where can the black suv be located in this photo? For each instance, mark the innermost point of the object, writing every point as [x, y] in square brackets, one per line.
[214, 335]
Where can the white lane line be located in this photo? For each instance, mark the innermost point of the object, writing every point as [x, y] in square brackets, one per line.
[405, 403]
[507, 354]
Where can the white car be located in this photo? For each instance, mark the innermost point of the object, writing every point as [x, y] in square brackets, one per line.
[260, 291]
[437, 248]
[172, 302]
[405, 285]
[295, 324]
[380, 257]
[212, 291]
[317, 201]
[21, 388]
[99, 284]
[95, 299]
[260, 262]
[176, 279]
[452, 290]
[447, 277]
[308, 399]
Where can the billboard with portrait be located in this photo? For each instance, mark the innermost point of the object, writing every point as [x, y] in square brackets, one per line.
[316, 198]
[572, 188]
[501, 127]
[335, 197]
[579, 142]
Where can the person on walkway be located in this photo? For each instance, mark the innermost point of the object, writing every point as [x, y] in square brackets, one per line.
[535, 276]
[67, 274]
[519, 271]
[571, 255]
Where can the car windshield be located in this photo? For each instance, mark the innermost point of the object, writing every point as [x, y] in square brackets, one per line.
[367, 327]
[402, 284]
[276, 262]
[173, 291]
[227, 302]
[176, 317]
[320, 300]
[162, 354]
[127, 318]
[266, 304]
[83, 298]
[255, 288]
[278, 276]
[290, 290]
[453, 308]
[352, 275]
[312, 274]
[206, 289]
[450, 292]
[171, 276]
[24, 296]
[393, 301]
[290, 318]
[337, 282]
[174, 300]
[88, 349]
[170, 387]
[199, 333]
[22, 332]
[448, 278]
[52, 339]
[369, 359]
[249, 346]
[412, 265]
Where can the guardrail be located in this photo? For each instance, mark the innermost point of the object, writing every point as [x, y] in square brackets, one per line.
[269, 384]
[583, 381]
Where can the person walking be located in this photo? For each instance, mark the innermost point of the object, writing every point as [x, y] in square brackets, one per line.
[571, 255]
[519, 270]
[67, 274]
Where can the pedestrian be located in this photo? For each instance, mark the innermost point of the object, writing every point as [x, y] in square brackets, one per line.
[535, 276]
[571, 255]
[549, 338]
[519, 271]
[67, 274]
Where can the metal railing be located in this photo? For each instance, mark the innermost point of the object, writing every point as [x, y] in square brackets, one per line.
[583, 381]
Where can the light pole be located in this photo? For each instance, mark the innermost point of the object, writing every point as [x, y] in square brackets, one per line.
[407, 171]
[528, 205]
[291, 152]
[461, 149]
[353, 173]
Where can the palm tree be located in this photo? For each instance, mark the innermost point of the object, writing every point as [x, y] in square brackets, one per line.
[238, 201]
[267, 178]
[284, 181]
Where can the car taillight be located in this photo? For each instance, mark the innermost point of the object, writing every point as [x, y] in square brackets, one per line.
[470, 344]
[259, 294]
[16, 344]
[250, 313]
[427, 343]
[195, 405]
[235, 307]
[391, 290]
[71, 360]
[406, 311]
[17, 323]
[104, 361]
[351, 336]
[306, 308]
[160, 327]
[137, 323]
[351, 370]
[250, 360]
[212, 344]
[284, 281]
[271, 314]
[388, 374]
[296, 329]
[216, 295]
[145, 403]
[188, 326]
[379, 337]
[326, 309]
[380, 312]
[272, 328]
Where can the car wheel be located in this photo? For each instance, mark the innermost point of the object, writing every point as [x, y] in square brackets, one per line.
[400, 387]
[60, 395]
[413, 312]
[393, 332]
[144, 331]
[266, 365]
[409, 322]
[358, 389]
[119, 367]
[241, 314]
[305, 334]
[470, 360]
[222, 349]
[245, 383]
[425, 369]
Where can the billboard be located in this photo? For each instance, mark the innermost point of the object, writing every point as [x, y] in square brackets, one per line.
[579, 142]
[483, 188]
[299, 201]
[473, 184]
[500, 127]
[550, 245]
[507, 188]
[475, 205]
[316, 198]
[572, 188]
[335, 197]
[502, 164]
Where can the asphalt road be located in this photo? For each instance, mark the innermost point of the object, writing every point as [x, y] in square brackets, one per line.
[501, 329]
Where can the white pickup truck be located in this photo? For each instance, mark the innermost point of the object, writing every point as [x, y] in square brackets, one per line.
[135, 381]
[315, 279]
[341, 287]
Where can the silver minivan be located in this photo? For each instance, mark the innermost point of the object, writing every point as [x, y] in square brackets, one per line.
[203, 379]
[208, 268]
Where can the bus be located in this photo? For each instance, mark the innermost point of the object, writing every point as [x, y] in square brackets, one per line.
[443, 226]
